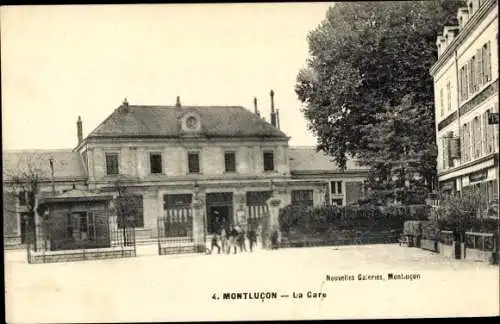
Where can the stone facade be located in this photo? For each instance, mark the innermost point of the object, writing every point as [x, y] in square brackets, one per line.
[466, 91]
[239, 159]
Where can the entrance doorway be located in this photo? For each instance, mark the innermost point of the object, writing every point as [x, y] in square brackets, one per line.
[218, 217]
[219, 211]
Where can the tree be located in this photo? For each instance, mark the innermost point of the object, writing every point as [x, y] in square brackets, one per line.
[367, 91]
[460, 211]
[127, 206]
[24, 179]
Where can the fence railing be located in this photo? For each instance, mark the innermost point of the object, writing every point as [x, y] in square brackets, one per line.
[480, 241]
[44, 244]
[447, 237]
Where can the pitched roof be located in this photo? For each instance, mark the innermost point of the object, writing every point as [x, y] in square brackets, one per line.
[67, 164]
[306, 158]
[163, 121]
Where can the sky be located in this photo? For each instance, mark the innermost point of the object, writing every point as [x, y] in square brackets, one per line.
[61, 62]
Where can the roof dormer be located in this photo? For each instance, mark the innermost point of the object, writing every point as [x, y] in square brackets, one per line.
[190, 123]
[441, 45]
[449, 33]
[462, 17]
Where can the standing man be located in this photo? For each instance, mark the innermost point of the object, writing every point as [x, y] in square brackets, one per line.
[216, 234]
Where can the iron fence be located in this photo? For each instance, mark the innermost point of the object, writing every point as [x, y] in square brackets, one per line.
[175, 235]
[47, 243]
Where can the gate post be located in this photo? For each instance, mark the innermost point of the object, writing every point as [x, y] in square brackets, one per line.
[198, 224]
[274, 204]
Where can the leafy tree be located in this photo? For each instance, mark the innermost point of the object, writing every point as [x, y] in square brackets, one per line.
[462, 211]
[127, 208]
[24, 181]
[367, 91]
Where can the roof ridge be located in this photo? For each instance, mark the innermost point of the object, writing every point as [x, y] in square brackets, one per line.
[62, 150]
[185, 106]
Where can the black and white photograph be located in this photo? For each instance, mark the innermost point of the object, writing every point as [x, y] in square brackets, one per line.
[250, 161]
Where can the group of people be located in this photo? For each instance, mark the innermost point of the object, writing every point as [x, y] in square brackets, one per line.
[232, 239]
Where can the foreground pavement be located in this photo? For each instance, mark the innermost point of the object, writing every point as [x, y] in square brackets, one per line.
[302, 283]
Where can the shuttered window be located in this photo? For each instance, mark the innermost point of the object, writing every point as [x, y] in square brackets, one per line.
[441, 103]
[448, 96]
[268, 161]
[445, 153]
[479, 69]
[486, 61]
[476, 137]
[112, 163]
[230, 161]
[155, 163]
[194, 162]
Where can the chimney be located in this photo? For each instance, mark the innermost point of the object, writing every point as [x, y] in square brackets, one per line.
[124, 107]
[273, 114]
[178, 102]
[79, 130]
[256, 110]
[278, 118]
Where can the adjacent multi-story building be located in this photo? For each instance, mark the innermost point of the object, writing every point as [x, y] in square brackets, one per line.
[230, 157]
[466, 92]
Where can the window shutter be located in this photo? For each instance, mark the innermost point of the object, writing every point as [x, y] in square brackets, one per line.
[494, 131]
[485, 133]
[470, 141]
[488, 55]
[470, 83]
[445, 153]
[477, 137]
[479, 69]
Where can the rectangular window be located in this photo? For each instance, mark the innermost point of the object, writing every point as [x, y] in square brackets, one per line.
[470, 78]
[230, 161]
[337, 202]
[22, 198]
[155, 163]
[336, 187]
[441, 102]
[485, 133]
[268, 161]
[91, 225]
[448, 96]
[486, 60]
[302, 197]
[479, 69]
[462, 144]
[477, 137]
[469, 141]
[473, 77]
[69, 226]
[466, 82]
[112, 164]
[445, 153]
[194, 162]
[460, 85]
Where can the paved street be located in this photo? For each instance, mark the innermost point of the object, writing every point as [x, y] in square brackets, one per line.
[163, 288]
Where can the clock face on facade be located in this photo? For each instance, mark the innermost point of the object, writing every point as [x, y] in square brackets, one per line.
[191, 122]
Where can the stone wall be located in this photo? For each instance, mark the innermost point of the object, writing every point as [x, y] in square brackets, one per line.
[134, 160]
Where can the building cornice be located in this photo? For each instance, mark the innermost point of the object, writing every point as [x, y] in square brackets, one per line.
[471, 163]
[463, 34]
